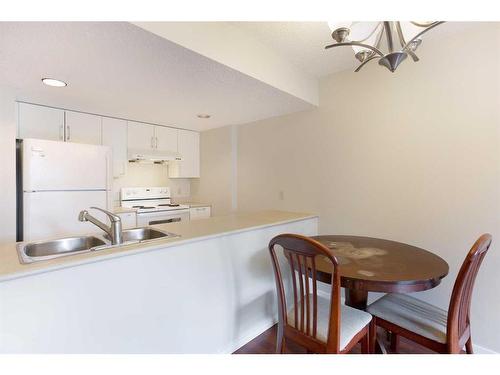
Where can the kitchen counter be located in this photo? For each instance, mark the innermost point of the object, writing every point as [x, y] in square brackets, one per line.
[210, 291]
[192, 204]
[189, 231]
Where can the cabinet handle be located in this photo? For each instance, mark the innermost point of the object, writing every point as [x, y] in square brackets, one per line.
[61, 136]
[69, 133]
[152, 142]
[156, 142]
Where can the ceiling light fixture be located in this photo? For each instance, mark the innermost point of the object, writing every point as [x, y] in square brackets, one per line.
[54, 82]
[365, 39]
[203, 115]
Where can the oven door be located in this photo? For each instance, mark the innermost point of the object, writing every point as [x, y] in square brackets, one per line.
[161, 217]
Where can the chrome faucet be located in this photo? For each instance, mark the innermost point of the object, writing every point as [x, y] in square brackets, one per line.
[114, 230]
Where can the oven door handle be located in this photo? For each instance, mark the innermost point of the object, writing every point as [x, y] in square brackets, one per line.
[165, 221]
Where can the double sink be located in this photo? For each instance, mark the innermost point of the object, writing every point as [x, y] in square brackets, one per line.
[44, 250]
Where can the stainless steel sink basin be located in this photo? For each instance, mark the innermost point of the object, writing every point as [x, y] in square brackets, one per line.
[42, 250]
[30, 252]
[142, 234]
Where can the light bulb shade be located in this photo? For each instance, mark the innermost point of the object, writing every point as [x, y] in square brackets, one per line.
[361, 31]
[366, 33]
[410, 29]
[334, 25]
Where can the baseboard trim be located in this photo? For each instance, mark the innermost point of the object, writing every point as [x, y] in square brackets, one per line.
[247, 337]
[482, 350]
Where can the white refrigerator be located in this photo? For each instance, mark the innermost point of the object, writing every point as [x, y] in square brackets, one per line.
[59, 179]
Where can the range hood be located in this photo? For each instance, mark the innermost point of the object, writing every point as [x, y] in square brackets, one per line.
[153, 156]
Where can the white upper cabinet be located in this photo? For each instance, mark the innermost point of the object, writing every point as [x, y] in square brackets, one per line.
[140, 136]
[146, 137]
[36, 121]
[189, 149]
[83, 128]
[114, 134]
[166, 138]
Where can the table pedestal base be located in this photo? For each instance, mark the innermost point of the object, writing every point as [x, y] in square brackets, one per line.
[356, 298]
[359, 300]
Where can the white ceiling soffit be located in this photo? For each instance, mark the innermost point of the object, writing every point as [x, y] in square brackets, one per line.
[239, 49]
[118, 69]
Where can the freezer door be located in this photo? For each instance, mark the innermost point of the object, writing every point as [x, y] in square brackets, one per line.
[52, 165]
[55, 214]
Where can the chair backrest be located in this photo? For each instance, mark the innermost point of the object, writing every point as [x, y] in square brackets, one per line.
[301, 251]
[458, 324]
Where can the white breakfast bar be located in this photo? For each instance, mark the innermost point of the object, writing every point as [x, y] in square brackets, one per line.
[210, 290]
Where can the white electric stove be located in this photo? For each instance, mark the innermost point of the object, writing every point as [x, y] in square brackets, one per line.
[153, 205]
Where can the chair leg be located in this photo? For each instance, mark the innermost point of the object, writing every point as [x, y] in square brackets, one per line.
[373, 335]
[468, 346]
[280, 341]
[365, 342]
[283, 346]
[394, 342]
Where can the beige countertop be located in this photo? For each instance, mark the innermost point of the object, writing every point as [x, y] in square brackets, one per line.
[189, 231]
[191, 204]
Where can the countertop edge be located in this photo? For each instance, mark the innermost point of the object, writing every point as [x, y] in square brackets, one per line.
[148, 248]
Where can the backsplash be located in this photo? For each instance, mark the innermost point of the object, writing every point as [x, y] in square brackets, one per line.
[142, 175]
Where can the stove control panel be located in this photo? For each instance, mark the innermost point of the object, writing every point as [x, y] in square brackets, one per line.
[144, 193]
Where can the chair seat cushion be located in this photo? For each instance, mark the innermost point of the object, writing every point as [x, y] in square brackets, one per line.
[412, 314]
[351, 320]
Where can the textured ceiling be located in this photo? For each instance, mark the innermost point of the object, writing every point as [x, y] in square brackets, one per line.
[118, 69]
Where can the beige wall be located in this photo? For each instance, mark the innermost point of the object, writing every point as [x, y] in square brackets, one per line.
[412, 156]
[215, 184]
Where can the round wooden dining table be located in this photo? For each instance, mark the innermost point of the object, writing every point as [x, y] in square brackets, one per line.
[376, 265]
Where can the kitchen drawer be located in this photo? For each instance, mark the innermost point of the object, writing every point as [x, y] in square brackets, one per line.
[196, 213]
[129, 219]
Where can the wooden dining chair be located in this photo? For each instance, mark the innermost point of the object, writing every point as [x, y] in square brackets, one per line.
[321, 325]
[428, 325]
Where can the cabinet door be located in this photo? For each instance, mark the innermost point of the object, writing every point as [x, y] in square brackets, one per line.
[196, 213]
[83, 128]
[114, 134]
[40, 122]
[166, 138]
[189, 148]
[140, 136]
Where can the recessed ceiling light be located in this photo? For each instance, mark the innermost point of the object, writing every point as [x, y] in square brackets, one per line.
[54, 82]
[203, 115]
